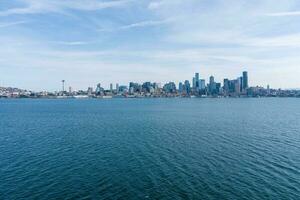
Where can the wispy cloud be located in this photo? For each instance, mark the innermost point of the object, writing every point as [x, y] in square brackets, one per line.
[141, 24]
[283, 14]
[45, 6]
[288, 41]
[71, 43]
[8, 24]
[162, 3]
[145, 24]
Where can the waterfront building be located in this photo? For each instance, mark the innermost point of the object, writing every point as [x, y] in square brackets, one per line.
[90, 90]
[99, 90]
[170, 87]
[123, 89]
[131, 90]
[155, 87]
[135, 87]
[146, 87]
[268, 90]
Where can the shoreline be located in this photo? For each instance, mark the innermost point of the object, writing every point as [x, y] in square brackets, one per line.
[110, 98]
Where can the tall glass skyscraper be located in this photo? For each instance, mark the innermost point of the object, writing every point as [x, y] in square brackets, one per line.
[245, 80]
[197, 80]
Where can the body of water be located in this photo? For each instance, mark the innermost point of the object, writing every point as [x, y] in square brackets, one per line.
[150, 149]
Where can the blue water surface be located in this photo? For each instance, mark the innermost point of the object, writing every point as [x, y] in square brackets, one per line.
[150, 149]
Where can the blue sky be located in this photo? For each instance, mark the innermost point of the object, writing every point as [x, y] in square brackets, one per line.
[91, 41]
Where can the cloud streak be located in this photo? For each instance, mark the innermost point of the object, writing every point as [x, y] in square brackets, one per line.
[283, 14]
[145, 24]
[141, 24]
[8, 24]
[46, 6]
[71, 43]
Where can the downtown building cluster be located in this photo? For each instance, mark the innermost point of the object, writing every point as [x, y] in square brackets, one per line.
[197, 87]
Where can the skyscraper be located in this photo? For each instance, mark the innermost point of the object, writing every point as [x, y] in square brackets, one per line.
[245, 80]
[117, 88]
[197, 80]
[170, 87]
[202, 84]
[212, 85]
[241, 80]
[226, 86]
[90, 90]
[98, 89]
[237, 86]
[211, 80]
[194, 82]
[187, 87]
[63, 85]
[180, 88]
[111, 87]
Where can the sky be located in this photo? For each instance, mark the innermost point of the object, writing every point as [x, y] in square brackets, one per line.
[86, 42]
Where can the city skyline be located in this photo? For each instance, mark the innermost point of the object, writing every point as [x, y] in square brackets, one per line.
[196, 82]
[198, 87]
[156, 40]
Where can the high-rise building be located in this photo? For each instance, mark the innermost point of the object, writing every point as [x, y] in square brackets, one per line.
[63, 85]
[241, 81]
[218, 88]
[226, 86]
[187, 87]
[237, 86]
[268, 90]
[212, 85]
[90, 90]
[180, 88]
[146, 87]
[99, 90]
[245, 80]
[111, 87]
[123, 89]
[202, 84]
[117, 88]
[135, 87]
[211, 80]
[194, 82]
[197, 80]
[170, 87]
